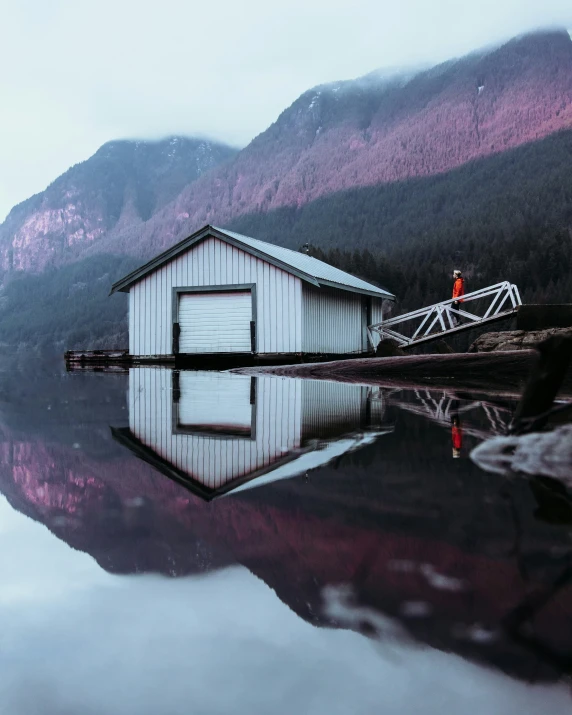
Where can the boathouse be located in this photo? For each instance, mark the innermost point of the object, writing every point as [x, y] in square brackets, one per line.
[218, 292]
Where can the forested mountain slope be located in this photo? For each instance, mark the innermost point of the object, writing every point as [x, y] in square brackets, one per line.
[506, 217]
[139, 197]
[123, 184]
[376, 131]
[398, 179]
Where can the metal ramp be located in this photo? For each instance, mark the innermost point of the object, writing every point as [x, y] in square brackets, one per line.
[441, 407]
[490, 304]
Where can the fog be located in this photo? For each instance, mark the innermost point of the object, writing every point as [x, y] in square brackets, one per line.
[77, 74]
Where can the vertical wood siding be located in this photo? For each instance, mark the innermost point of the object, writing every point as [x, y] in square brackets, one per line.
[210, 263]
[333, 321]
[376, 317]
[331, 409]
[133, 338]
[214, 461]
[287, 414]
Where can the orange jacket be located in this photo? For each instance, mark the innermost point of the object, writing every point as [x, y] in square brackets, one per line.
[457, 436]
[458, 288]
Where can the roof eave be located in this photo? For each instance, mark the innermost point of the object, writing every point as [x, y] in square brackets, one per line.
[264, 257]
[125, 284]
[125, 437]
[363, 291]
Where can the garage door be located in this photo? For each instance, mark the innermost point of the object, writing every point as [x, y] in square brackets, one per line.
[215, 322]
[215, 402]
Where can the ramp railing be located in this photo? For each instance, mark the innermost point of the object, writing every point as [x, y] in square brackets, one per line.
[441, 408]
[489, 304]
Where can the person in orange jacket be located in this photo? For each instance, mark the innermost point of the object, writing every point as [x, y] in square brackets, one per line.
[456, 436]
[458, 292]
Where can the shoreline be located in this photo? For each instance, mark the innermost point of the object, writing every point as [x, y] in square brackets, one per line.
[502, 373]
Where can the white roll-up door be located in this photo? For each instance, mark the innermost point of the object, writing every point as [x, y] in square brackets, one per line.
[215, 402]
[215, 322]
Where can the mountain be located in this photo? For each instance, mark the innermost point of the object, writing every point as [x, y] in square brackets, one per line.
[466, 163]
[123, 183]
[504, 217]
[138, 197]
[378, 130]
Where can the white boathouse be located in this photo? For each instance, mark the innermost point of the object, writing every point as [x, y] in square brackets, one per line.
[218, 292]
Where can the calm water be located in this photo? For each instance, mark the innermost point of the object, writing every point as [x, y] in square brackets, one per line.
[204, 543]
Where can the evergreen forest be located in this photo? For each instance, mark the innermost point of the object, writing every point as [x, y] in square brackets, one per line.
[506, 217]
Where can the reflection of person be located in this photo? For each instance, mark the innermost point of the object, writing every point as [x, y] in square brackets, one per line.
[458, 292]
[457, 436]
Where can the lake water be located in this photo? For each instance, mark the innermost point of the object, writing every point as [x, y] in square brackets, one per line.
[191, 542]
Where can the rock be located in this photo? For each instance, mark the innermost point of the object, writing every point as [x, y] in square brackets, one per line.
[388, 348]
[548, 454]
[515, 339]
[545, 380]
[442, 348]
[495, 342]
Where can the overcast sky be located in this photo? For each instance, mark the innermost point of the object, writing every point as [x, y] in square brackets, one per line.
[75, 73]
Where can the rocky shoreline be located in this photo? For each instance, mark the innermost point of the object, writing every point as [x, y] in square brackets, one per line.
[499, 373]
[511, 340]
[497, 363]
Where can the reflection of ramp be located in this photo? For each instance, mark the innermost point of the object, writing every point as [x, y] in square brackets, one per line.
[441, 408]
[490, 304]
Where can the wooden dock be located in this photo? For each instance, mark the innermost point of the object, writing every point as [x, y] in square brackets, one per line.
[119, 360]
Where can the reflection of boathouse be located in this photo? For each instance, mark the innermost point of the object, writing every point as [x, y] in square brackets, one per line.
[215, 431]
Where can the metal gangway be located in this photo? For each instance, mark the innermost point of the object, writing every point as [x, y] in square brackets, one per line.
[440, 407]
[494, 303]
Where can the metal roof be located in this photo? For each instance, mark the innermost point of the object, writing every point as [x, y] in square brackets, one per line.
[319, 270]
[305, 267]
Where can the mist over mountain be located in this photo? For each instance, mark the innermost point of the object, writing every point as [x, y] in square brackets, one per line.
[123, 184]
[139, 196]
[464, 162]
[369, 132]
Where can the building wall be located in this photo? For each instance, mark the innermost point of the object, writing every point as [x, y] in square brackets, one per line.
[288, 416]
[376, 317]
[333, 321]
[210, 263]
[331, 409]
[213, 461]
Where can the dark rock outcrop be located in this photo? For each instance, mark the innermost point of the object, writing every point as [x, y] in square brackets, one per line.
[388, 348]
[548, 454]
[510, 340]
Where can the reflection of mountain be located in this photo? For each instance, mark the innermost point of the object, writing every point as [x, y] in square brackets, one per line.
[447, 550]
